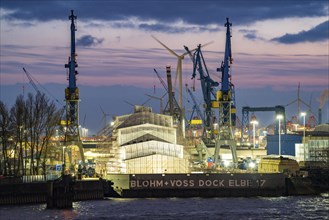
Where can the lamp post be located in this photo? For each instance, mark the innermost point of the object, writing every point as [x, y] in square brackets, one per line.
[279, 117]
[63, 167]
[254, 123]
[303, 114]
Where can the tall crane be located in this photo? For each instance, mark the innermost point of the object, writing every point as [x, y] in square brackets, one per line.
[226, 98]
[72, 95]
[208, 86]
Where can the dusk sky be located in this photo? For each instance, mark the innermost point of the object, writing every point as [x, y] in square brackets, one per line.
[275, 45]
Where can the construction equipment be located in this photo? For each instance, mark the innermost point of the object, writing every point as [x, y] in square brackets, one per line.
[208, 86]
[179, 69]
[31, 80]
[196, 108]
[71, 130]
[176, 111]
[158, 98]
[172, 108]
[226, 99]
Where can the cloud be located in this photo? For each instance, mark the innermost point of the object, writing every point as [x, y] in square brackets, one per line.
[88, 41]
[251, 34]
[318, 33]
[191, 12]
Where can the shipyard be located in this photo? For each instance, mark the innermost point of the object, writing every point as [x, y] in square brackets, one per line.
[194, 144]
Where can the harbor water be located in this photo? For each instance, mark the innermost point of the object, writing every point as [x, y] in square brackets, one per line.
[293, 207]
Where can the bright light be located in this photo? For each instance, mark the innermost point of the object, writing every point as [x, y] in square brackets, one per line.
[279, 117]
[112, 123]
[252, 165]
[303, 114]
[226, 163]
[254, 122]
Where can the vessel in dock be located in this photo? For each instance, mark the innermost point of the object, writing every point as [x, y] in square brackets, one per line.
[147, 161]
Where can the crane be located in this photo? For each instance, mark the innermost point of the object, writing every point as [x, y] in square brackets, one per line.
[208, 86]
[31, 80]
[226, 98]
[195, 107]
[158, 98]
[176, 109]
[72, 95]
[29, 76]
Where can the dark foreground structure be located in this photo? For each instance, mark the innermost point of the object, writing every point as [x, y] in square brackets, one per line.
[59, 193]
[62, 192]
[210, 185]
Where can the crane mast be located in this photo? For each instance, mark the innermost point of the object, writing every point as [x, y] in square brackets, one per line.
[72, 92]
[226, 98]
[72, 134]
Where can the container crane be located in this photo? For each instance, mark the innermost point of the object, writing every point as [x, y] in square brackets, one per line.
[72, 95]
[226, 98]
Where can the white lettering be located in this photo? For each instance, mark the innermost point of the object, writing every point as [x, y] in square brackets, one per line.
[208, 183]
[241, 183]
[159, 183]
[145, 183]
[152, 183]
[179, 183]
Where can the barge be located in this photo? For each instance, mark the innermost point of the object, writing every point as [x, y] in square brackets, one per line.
[199, 185]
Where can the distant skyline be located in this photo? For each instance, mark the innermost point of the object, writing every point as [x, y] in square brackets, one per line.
[275, 44]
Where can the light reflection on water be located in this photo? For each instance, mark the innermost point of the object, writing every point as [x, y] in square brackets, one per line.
[302, 207]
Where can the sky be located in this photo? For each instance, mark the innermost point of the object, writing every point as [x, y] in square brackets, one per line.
[276, 45]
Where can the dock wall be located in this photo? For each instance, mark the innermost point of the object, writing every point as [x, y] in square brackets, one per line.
[17, 193]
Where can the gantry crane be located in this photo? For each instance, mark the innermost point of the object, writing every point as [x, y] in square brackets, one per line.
[226, 98]
[71, 130]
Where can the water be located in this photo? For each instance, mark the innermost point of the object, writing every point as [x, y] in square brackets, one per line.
[301, 207]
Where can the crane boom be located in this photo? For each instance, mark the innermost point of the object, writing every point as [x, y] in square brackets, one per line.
[31, 80]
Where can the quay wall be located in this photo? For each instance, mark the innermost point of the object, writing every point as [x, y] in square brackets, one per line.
[16, 193]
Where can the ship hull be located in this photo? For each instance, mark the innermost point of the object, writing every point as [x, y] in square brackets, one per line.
[198, 185]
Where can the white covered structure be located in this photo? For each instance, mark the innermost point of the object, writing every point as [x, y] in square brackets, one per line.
[146, 142]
